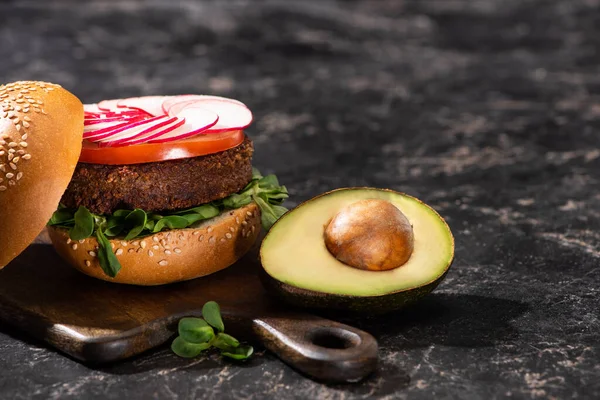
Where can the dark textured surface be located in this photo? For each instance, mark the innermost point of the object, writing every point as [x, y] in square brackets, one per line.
[488, 110]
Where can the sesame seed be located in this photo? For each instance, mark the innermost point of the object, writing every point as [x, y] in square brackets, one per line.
[136, 243]
[119, 252]
[11, 156]
[2, 153]
[222, 240]
[112, 245]
[211, 239]
[231, 229]
[18, 127]
[237, 220]
[180, 236]
[177, 250]
[2, 188]
[12, 183]
[155, 238]
[143, 244]
[2, 168]
[5, 136]
[23, 144]
[140, 250]
[252, 228]
[124, 244]
[12, 144]
[156, 247]
[92, 253]
[196, 233]
[74, 247]
[168, 252]
[16, 159]
[88, 263]
[24, 137]
[25, 124]
[209, 229]
[19, 175]
[201, 238]
[248, 213]
[130, 250]
[26, 157]
[228, 235]
[69, 241]
[10, 175]
[82, 241]
[150, 253]
[2, 142]
[163, 263]
[244, 223]
[243, 233]
[13, 166]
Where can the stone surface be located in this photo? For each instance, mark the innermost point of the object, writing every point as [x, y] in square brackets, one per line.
[488, 110]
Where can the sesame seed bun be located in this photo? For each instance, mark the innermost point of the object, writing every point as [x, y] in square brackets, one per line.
[41, 128]
[169, 256]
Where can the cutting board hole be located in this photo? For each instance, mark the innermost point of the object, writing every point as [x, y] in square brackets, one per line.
[334, 338]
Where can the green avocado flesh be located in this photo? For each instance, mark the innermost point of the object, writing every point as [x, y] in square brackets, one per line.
[294, 251]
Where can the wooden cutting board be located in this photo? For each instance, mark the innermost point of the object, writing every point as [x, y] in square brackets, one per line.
[98, 322]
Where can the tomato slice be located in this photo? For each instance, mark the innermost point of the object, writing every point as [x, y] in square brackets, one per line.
[199, 145]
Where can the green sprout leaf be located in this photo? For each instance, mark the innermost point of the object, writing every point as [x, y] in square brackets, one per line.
[195, 330]
[171, 222]
[108, 261]
[114, 226]
[241, 352]
[186, 349]
[196, 335]
[135, 222]
[224, 341]
[84, 225]
[212, 314]
[62, 216]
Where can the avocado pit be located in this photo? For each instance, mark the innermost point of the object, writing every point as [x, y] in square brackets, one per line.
[370, 234]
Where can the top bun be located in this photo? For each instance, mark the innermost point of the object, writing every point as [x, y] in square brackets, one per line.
[41, 128]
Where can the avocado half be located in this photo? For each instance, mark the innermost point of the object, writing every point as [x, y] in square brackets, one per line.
[299, 268]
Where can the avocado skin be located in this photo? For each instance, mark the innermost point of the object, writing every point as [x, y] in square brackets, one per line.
[371, 305]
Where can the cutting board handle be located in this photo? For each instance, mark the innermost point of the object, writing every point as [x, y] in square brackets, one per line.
[323, 349]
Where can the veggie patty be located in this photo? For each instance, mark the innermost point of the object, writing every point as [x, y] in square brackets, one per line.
[166, 185]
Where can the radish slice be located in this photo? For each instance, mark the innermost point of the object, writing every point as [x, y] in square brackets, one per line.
[109, 105]
[90, 129]
[149, 104]
[104, 134]
[197, 120]
[91, 108]
[96, 121]
[176, 108]
[170, 101]
[133, 132]
[231, 115]
[148, 136]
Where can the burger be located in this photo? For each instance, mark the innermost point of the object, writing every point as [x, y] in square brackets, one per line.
[144, 191]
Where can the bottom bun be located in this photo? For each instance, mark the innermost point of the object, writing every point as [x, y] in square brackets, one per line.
[169, 256]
